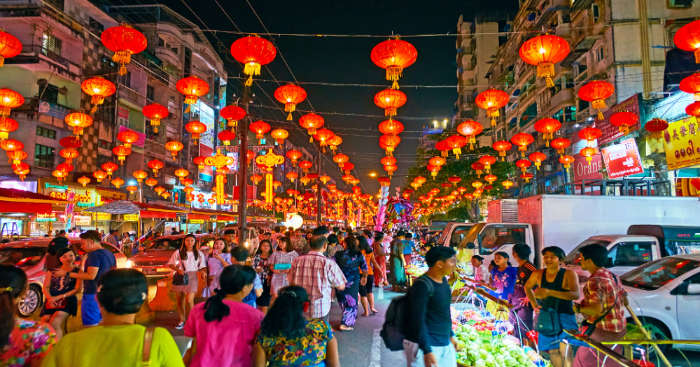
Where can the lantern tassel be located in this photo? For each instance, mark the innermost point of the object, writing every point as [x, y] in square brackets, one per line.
[122, 69]
[2, 61]
[93, 109]
[697, 56]
[249, 81]
[493, 122]
[289, 116]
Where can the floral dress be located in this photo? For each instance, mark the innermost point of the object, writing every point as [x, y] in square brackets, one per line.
[305, 351]
[29, 341]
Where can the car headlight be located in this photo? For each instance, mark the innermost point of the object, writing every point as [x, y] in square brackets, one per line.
[129, 264]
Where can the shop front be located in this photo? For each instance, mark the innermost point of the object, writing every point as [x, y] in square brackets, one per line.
[25, 213]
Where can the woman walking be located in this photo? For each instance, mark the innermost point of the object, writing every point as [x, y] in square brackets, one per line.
[288, 339]
[280, 264]
[354, 267]
[225, 318]
[551, 291]
[60, 291]
[217, 261]
[262, 267]
[366, 294]
[380, 257]
[398, 263]
[187, 263]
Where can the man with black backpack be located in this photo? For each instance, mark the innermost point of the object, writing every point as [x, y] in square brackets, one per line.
[427, 323]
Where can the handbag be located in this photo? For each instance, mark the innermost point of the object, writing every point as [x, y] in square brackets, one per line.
[548, 322]
[181, 279]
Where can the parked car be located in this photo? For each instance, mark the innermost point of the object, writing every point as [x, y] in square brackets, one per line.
[665, 294]
[153, 259]
[30, 255]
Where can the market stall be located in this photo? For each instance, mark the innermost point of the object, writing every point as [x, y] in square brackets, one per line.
[25, 213]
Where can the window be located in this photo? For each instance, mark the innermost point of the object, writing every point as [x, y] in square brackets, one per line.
[600, 54]
[630, 253]
[49, 93]
[495, 236]
[582, 105]
[161, 42]
[581, 68]
[682, 290]
[45, 132]
[458, 235]
[127, 79]
[529, 114]
[50, 45]
[44, 156]
[675, 4]
[595, 12]
[150, 92]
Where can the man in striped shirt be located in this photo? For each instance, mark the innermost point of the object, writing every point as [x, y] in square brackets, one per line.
[522, 314]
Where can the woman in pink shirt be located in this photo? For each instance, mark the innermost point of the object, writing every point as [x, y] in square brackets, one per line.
[224, 317]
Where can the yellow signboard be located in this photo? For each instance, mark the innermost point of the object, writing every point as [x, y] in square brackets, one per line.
[82, 220]
[682, 143]
[104, 216]
[131, 217]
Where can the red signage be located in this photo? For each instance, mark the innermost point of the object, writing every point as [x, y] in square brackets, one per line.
[622, 159]
[582, 170]
[611, 132]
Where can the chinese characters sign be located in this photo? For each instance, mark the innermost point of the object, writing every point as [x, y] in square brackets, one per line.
[622, 159]
[682, 144]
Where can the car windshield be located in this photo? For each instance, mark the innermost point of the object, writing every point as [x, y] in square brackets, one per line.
[573, 259]
[655, 274]
[166, 244]
[21, 256]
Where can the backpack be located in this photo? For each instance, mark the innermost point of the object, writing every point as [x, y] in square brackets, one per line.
[392, 329]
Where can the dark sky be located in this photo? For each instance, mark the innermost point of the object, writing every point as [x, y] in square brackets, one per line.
[346, 60]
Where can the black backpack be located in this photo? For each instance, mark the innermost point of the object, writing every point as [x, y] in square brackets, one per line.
[392, 329]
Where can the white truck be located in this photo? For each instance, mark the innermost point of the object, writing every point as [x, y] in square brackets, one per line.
[571, 220]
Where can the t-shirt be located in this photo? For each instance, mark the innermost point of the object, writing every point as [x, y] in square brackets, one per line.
[252, 297]
[309, 349]
[104, 261]
[429, 322]
[238, 330]
[407, 247]
[503, 281]
[191, 263]
[113, 346]
[29, 341]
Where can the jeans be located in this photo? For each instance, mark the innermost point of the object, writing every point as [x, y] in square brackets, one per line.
[446, 356]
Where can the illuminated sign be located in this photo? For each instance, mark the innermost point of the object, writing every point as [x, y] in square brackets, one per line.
[46, 217]
[682, 143]
[82, 220]
[196, 221]
[622, 159]
[104, 216]
[83, 197]
[131, 217]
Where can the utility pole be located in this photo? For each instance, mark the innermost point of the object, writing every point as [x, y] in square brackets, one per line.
[318, 192]
[243, 166]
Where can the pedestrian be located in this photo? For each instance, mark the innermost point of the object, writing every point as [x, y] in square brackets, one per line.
[522, 313]
[332, 246]
[481, 273]
[428, 336]
[318, 275]
[280, 263]
[60, 293]
[380, 257]
[262, 267]
[551, 292]
[408, 247]
[354, 267]
[503, 276]
[113, 238]
[366, 294]
[239, 256]
[287, 338]
[230, 237]
[57, 243]
[23, 342]
[398, 263]
[216, 262]
[603, 307]
[187, 263]
[225, 317]
[118, 340]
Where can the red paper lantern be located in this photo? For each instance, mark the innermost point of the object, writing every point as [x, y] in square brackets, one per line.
[78, 121]
[10, 46]
[624, 120]
[323, 136]
[588, 153]
[522, 140]
[65, 167]
[490, 178]
[279, 135]
[174, 147]
[291, 176]
[388, 161]
[390, 100]
[253, 52]
[454, 180]
[527, 176]
[456, 142]
[192, 88]
[98, 88]
[538, 158]
[117, 182]
[68, 154]
[150, 182]
[437, 162]
[394, 55]
[139, 175]
[124, 41]
[390, 169]
[290, 95]
[507, 184]
[389, 143]
[255, 179]
[7, 125]
[523, 164]
[478, 168]
[22, 170]
[560, 144]
[155, 165]
[487, 161]
[390, 127]
[294, 156]
[60, 175]
[502, 147]
[99, 175]
[181, 173]
[121, 151]
[9, 99]
[348, 167]
[70, 142]
[492, 100]
[305, 165]
[17, 156]
[334, 142]
[443, 148]
[544, 51]
[470, 129]
[155, 112]
[691, 84]
[687, 38]
[566, 161]
[311, 122]
[109, 167]
[590, 134]
[232, 114]
[595, 92]
[128, 137]
[693, 109]
[196, 129]
[547, 127]
[656, 127]
[260, 128]
[226, 136]
[340, 159]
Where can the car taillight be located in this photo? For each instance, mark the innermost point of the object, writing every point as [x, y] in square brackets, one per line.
[23, 261]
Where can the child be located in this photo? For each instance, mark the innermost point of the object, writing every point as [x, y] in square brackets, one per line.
[481, 274]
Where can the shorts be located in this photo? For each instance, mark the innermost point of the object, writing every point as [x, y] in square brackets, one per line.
[568, 322]
[192, 283]
[90, 310]
[446, 356]
[367, 288]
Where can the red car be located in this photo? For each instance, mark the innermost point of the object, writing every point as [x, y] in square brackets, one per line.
[153, 260]
[30, 255]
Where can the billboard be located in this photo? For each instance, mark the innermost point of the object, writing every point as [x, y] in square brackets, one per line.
[622, 159]
[583, 170]
[611, 132]
[206, 116]
[682, 143]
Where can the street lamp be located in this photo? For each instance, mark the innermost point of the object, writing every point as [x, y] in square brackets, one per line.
[373, 174]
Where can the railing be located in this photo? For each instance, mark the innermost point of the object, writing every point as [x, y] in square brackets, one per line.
[32, 54]
[624, 187]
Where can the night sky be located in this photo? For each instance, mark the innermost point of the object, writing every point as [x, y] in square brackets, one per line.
[346, 60]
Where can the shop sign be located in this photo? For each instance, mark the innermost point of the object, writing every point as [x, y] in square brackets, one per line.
[196, 221]
[104, 216]
[46, 217]
[688, 186]
[682, 143]
[83, 197]
[622, 159]
[611, 132]
[584, 171]
[131, 217]
[82, 220]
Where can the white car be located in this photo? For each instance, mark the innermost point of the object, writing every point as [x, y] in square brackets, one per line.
[665, 294]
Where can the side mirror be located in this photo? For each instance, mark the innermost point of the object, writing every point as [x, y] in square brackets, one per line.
[470, 245]
[693, 289]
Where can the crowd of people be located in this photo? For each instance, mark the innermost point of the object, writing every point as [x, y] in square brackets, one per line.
[271, 301]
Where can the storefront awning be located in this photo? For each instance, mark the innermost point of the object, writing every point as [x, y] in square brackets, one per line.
[115, 207]
[20, 201]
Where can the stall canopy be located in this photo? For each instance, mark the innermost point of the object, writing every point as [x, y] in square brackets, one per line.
[19, 201]
[145, 210]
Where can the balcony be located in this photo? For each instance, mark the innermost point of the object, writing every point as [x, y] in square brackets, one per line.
[35, 54]
[564, 97]
[131, 95]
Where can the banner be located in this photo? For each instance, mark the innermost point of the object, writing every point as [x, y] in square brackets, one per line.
[688, 186]
[611, 132]
[682, 144]
[582, 170]
[622, 159]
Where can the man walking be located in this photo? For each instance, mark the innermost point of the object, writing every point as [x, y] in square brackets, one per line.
[318, 275]
[428, 337]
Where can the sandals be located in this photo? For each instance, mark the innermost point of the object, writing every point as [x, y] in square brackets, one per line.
[342, 327]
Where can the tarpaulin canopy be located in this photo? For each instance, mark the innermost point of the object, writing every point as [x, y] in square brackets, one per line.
[116, 207]
[20, 201]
